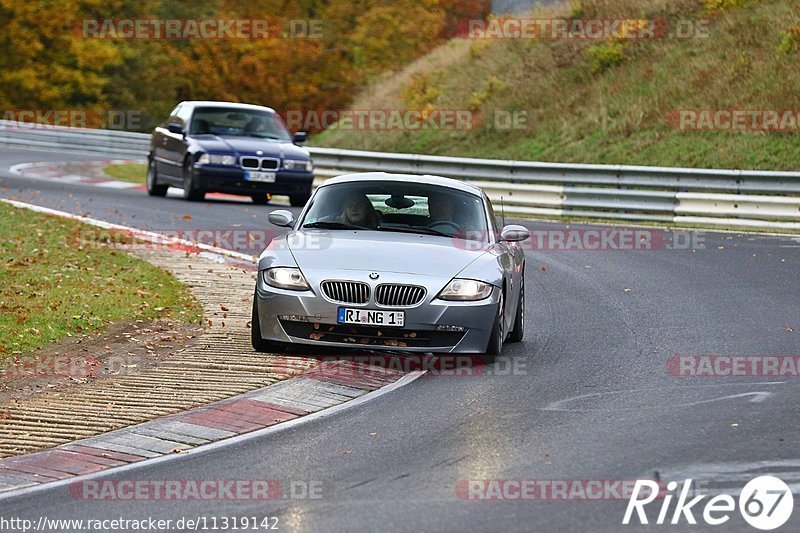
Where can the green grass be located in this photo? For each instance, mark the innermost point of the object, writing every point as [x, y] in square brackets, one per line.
[58, 279]
[618, 114]
[133, 172]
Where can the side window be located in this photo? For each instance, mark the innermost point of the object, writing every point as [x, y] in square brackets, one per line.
[184, 113]
[173, 116]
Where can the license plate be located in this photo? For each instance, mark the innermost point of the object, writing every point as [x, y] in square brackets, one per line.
[371, 317]
[253, 175]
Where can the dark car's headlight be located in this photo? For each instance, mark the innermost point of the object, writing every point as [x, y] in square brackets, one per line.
[217, 159]
[297, 164]
[465, 290]
[286, 278]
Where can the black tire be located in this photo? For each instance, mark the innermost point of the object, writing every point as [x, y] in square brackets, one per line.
[153, 187]
[259, 344]
[299, 200]
[261, 198]
[518, 331]
[495, 346]
[190, 192]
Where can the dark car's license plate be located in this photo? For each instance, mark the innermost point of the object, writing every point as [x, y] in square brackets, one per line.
[266, 177]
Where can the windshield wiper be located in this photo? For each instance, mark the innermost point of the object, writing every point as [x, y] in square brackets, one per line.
[331, 225]
[415, 229]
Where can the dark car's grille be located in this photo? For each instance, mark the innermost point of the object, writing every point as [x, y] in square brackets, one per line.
[256, 163]
[269, 163]
[372, 335]
[348, 292]
[398, 295]
[249, 162]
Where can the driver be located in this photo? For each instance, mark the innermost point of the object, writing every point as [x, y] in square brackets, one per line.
[359, 211]
[440, 208]
[255, 125]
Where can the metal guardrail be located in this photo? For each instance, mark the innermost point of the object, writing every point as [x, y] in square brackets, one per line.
[709, 197]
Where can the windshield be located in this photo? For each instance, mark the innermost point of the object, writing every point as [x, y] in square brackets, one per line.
[398, 207]
[239, 122]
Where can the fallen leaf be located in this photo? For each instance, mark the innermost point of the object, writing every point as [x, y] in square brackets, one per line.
[187, 217]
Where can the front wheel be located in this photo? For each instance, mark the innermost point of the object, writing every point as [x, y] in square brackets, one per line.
[153, 187]
[261, 198]
[495, 346]
[518, 332]
[190, 191]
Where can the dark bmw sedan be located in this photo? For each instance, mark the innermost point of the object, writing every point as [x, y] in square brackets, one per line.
[230, 148]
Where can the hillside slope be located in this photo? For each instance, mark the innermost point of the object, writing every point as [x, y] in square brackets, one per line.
[611, 101]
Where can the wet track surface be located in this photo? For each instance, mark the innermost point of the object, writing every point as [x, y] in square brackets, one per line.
[587, 395]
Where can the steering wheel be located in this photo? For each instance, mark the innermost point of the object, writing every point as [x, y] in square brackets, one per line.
[435, 223]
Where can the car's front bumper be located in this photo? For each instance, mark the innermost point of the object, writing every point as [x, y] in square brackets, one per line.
[303, 317]
[214, 178]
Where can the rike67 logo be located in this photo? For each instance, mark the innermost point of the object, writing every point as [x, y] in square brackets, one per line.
[765, 503]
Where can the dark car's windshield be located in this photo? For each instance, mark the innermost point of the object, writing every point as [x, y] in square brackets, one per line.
[238, 122]
[399, 207]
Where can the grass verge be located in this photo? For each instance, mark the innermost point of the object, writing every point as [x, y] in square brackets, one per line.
[58, 279]
[133, 172]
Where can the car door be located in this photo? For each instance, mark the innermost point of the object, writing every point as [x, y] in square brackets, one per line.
[172, 146]
[178, 142]
[161, 147]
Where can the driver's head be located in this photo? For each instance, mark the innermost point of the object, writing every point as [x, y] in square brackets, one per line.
[357, 209]
[440, 207]
[255, 124]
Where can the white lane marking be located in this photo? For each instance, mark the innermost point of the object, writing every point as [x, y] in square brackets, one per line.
[758, 397]
[116, 184]
[149, 236]
[730, 477]
[230, 441]
[70, 178]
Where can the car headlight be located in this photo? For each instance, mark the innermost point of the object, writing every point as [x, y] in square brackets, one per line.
[217, 159]
[296, 164]
[286, 278]
[465, 290]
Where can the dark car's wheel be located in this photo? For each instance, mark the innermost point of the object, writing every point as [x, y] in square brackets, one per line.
[495, 346]
[190, 190]
[259, 344]
[519, 320]
[153, 187]
[299, 200]
[261, 199]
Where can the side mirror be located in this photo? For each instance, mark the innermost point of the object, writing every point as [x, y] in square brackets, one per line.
[300, 137]
[175, 128]
[514, 233]
[281, 218]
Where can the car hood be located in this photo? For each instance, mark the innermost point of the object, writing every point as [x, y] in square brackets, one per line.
[381, 252]
[250, 145]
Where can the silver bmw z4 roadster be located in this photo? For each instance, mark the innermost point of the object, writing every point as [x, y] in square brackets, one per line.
[397, 262]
